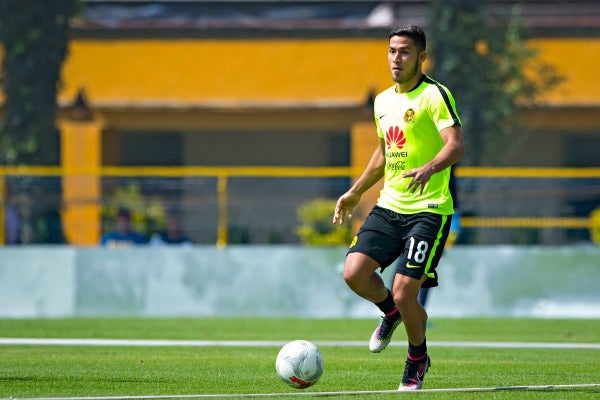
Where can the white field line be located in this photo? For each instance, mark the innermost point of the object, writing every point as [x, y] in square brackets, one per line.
[276, 343]
[584, 386]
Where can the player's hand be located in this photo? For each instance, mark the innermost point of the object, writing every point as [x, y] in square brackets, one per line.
[344, 207]
[420, 178]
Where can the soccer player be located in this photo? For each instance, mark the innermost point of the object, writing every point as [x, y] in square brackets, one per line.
[420, 139]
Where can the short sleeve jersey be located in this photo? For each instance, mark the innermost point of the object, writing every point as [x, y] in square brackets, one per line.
[410, 123]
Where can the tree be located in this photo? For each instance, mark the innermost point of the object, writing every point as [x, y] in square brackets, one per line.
[490, 71]
[35, 36]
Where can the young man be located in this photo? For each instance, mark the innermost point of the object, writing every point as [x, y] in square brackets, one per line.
[173, 233]
[124, 235]
[420, 139]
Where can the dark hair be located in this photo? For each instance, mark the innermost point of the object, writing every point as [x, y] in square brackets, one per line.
[124, 212]
[412, 31]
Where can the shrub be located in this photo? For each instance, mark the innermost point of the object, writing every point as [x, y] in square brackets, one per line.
[316, 227]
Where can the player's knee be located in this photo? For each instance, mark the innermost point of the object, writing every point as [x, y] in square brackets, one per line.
[351, 275]
[400, 298]
[355, 270]
[405, 295]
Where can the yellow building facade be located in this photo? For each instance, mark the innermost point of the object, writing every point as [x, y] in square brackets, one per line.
[274, 72]
[246, 85]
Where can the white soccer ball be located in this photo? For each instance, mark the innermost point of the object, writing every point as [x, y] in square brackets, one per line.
[299, 364]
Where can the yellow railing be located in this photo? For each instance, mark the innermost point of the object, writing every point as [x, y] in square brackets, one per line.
[526, 222]
[518, 172]
[288, 171]
[224, 173]
[522, 172]
[174, 172]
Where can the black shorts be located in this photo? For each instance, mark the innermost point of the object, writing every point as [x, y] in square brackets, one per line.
[416, 240]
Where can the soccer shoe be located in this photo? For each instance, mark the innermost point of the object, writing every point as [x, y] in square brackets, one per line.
[414, 373]
[382, 335]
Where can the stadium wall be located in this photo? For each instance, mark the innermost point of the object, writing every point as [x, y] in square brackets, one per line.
[293, 281]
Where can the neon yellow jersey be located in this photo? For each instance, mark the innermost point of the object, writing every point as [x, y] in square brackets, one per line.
[411, 123]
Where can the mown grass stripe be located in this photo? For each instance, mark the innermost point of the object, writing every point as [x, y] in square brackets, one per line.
[341, 393]
[276, 343]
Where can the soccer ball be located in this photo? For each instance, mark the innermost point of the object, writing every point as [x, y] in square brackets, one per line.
[299, 364]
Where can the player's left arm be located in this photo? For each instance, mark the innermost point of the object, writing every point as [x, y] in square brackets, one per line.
[452, 151]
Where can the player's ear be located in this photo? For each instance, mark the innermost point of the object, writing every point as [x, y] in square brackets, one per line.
[423, 56]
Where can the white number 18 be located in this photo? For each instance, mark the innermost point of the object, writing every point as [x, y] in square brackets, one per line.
[421, 252]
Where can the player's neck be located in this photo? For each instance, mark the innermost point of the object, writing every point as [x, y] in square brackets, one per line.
[411, 85]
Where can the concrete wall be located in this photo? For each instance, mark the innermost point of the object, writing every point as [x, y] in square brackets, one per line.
[292, 281]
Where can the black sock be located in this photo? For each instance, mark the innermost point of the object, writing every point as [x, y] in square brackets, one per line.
[387, 306]
[416, 353]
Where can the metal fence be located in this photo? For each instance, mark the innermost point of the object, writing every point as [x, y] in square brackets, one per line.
[252, 205]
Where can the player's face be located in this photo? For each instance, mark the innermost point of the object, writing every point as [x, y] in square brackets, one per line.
[404, 59]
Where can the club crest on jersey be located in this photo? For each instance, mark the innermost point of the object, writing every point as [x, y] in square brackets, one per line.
[409, 116]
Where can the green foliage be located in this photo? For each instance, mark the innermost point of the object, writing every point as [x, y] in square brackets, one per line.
[317, 229]
[148, 214]
[35, 36]
[489, 70]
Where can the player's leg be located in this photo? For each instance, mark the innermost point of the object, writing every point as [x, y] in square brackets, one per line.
[361, 276]
[419, 260]
[375, 246]
[406, 292]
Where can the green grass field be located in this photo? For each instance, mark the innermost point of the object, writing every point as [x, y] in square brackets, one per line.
[35, 371]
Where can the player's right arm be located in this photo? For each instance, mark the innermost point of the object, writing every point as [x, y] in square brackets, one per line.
[373, 172]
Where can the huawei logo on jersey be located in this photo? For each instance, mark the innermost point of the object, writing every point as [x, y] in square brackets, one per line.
[394, 137]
